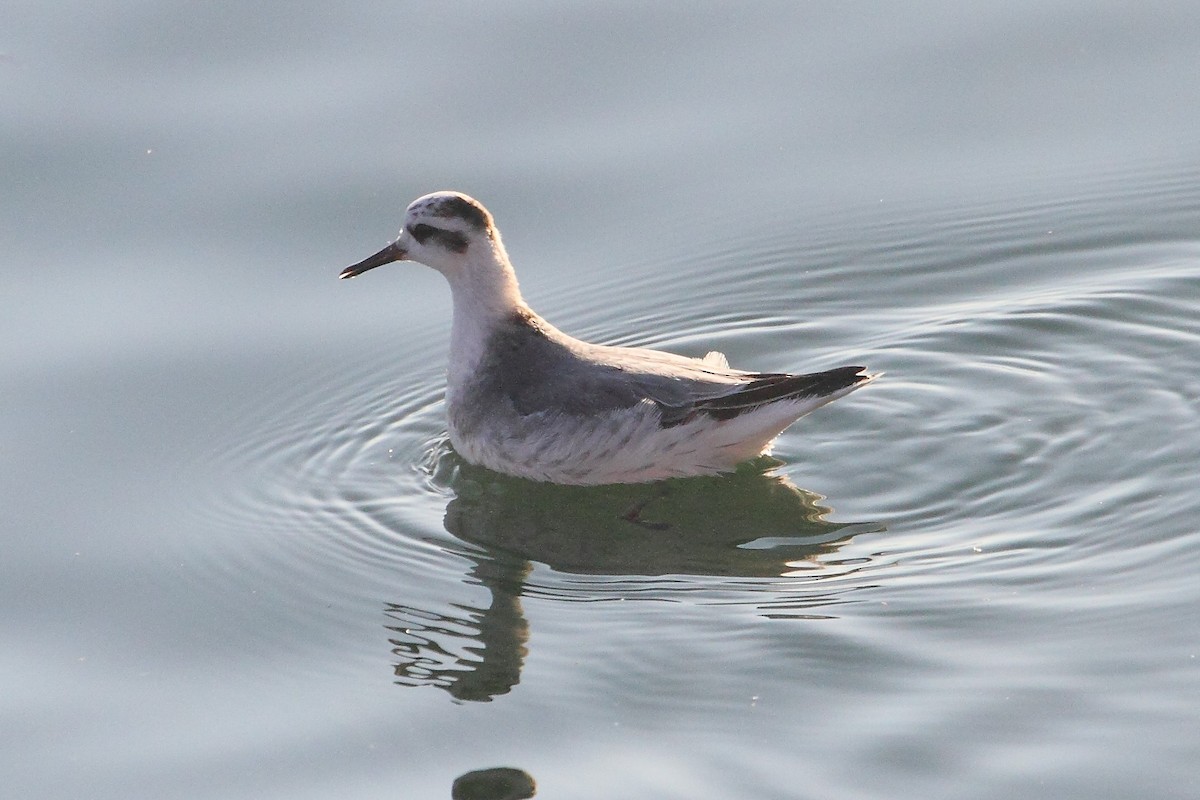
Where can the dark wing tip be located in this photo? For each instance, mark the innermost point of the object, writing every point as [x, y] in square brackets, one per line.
[769, 388]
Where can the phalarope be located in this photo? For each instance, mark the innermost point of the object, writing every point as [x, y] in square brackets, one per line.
[526, 399]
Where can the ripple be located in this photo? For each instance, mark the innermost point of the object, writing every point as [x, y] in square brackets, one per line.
[1037, 405]
[345, 489]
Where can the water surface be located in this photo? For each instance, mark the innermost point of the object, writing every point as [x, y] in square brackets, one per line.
[241, 560]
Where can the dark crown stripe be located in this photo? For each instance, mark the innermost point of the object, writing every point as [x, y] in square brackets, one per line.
[465, 209]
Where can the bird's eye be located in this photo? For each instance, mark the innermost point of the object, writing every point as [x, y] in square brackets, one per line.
[421, 232]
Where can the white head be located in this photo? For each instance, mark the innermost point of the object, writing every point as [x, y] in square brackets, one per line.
[444, 230]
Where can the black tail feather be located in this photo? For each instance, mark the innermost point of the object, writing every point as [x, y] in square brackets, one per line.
[768, 388]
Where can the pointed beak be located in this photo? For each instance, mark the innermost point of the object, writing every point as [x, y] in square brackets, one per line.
[393, 252]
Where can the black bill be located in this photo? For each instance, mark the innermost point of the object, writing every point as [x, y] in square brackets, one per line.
[393, 252]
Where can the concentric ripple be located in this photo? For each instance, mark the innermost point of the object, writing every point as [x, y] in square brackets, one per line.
[347, 488]
[1022, 407]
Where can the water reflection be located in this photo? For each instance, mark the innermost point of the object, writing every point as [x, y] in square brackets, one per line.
[697, 526]
[475, 656]
[749, 525]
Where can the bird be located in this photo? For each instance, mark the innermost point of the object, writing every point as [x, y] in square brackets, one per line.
[527, 400]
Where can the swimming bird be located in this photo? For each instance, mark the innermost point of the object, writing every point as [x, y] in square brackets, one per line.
[525, 399]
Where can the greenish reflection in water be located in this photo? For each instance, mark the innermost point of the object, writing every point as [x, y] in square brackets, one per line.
[751, 524]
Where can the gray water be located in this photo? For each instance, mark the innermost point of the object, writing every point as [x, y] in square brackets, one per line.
[240, 560]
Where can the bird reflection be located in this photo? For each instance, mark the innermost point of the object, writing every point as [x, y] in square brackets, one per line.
[475, 656]
[751, 524]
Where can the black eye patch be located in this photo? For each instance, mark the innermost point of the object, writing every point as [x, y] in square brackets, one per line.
[421, 232]
[451, 240]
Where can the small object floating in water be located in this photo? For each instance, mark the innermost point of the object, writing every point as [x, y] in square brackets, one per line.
[497, 783]
[526, 399]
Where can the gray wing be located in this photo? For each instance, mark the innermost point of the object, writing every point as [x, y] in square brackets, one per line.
[539, 369]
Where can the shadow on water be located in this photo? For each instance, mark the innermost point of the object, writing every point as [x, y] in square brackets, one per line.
[750, 525]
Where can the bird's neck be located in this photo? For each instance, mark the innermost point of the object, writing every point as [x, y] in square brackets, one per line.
[485, 294]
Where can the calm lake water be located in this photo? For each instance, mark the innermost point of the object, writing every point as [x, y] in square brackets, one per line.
[240, 560]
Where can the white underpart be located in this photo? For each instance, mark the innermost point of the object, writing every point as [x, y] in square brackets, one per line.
[630, 446]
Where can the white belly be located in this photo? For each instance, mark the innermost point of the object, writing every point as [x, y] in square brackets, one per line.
[626, 446]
